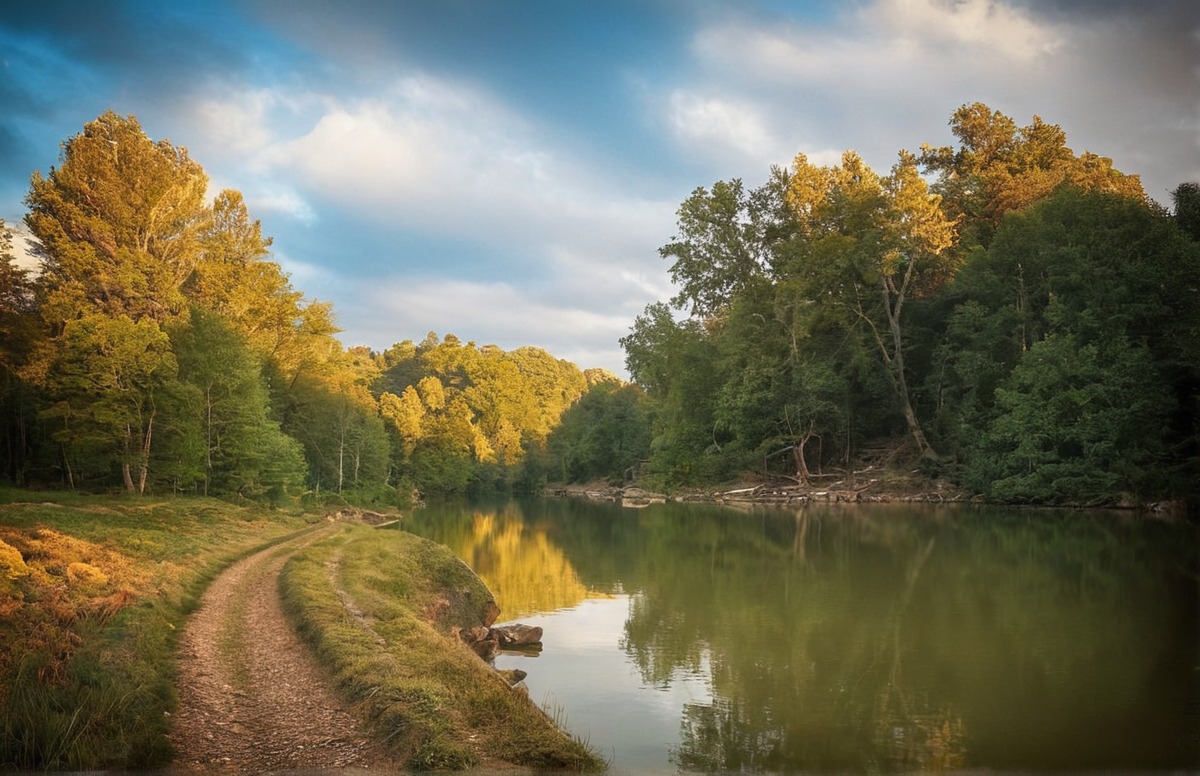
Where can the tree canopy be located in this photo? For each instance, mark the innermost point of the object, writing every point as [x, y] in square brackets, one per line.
[160, 348]
[1008, 314]
[1017, 315]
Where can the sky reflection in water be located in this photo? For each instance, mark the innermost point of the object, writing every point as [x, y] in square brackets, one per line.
[701, 639]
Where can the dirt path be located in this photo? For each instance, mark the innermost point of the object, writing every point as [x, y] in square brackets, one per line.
[251, 695]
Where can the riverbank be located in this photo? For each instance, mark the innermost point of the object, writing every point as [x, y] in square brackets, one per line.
[95, 592]
[879, 486]
[383, 611]
[869, 486]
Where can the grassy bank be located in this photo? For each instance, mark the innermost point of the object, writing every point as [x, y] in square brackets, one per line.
[379, 608]
[92, 594]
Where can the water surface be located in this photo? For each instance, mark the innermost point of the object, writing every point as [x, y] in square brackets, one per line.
[701, 638]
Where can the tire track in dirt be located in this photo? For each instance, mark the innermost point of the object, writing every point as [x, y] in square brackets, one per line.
[252, 697]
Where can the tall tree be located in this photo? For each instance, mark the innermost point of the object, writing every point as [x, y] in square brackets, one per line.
[724, 242]
[999, 167]
[244, 451]
[118, 223]
[1086, 308]
[18, 340]
[1187, 209]
[886, 240]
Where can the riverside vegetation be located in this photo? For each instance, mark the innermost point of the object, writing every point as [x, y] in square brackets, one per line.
[1019, 318]
[96, 590]
[1003, 315]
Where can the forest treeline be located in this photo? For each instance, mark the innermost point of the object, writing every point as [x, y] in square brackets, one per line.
[1004, 313]
[159, 349]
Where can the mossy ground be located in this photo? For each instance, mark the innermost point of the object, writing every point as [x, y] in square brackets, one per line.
[379, 606]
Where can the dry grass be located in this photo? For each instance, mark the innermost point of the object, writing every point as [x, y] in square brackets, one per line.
[92, 591]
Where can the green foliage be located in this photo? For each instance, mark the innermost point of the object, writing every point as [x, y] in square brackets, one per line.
[605, 435]
[1079, 318]
[724, 242]
[681, 363]
[107, 383]
[244, 451]
[1075, 424]
[465, 417]
[1027, 312]
[1187, 209]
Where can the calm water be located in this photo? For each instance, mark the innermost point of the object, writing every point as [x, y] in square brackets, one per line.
[698, 638]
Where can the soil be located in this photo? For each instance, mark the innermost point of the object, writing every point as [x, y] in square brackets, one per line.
[252, 697]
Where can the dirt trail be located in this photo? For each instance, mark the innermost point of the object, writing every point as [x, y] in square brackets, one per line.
[251, 695]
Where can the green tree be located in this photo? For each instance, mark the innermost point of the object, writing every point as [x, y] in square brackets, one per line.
[678, 365]
[1076, 424]
[724, 242]
[108, 382]
[331, 411]
[1083, 311]
[19, 337]
[602, 436]
[1187, 209]
[244, 451]
[886, 240]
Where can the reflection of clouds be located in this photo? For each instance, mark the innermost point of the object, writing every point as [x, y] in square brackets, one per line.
[585, 674]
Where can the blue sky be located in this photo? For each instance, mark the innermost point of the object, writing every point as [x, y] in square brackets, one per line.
[506, 171]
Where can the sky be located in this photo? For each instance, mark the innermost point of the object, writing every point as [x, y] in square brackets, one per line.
[506, 170]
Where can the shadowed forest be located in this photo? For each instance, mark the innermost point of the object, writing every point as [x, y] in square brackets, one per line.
[1004, 314]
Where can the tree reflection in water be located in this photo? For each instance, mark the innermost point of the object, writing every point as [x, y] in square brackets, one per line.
[864, 638]
[526, 571]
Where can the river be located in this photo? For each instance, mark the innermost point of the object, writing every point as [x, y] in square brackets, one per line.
[883, 637]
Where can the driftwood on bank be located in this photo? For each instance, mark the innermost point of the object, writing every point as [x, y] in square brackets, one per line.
[820, 489]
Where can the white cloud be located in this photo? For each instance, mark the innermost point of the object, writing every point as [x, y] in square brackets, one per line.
[964, 26]
[503, 314]
[277, 197]
[441, 159]
[430, 155]
[888, 74]
[236, 122]
[306, 277]
[708, 124]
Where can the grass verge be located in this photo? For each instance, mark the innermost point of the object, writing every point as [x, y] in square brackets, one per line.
[379, 608]
[92, 593]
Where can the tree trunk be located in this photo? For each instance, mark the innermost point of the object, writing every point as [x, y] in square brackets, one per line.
[341, 459]
[144, 462]
[208, 434]
[896, 362]
[802, 472]
[67, 466]
[126, 469]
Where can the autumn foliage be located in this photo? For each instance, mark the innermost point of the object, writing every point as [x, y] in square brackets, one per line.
[51, 584]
